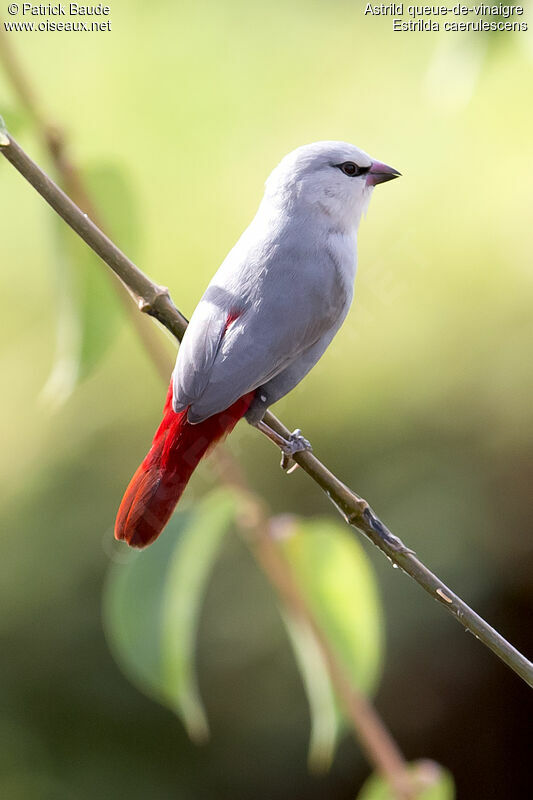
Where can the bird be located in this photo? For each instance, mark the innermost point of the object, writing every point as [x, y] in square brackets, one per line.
[265, 319]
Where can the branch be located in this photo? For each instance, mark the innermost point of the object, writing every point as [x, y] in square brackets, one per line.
[155, 300]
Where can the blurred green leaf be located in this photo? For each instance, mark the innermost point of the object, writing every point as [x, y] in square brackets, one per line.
[89, 311]
[319, 691]
[118, 214]
[99, 310]
[431, 780]
[337, 580]
[69, 332]
[187, 580]
[152, 607]
[115, 203]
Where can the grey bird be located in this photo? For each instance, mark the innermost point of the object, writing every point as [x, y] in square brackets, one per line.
[267, 316]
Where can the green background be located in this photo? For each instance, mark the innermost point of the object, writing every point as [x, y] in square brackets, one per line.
[422, 403]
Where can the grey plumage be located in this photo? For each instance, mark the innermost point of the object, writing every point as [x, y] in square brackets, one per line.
[288, 282]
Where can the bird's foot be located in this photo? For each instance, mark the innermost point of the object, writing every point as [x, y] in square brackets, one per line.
[296, 443]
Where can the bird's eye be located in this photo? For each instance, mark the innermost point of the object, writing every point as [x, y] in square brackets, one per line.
[351, 169]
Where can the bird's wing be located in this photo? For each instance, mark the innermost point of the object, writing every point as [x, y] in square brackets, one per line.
[197, 353]
[239, 340]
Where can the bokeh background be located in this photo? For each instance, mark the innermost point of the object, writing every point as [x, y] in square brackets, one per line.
[422, 404]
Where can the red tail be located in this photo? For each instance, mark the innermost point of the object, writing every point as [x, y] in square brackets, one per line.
[162, 477]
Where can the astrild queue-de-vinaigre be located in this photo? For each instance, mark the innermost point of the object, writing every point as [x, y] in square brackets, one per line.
[459, 9]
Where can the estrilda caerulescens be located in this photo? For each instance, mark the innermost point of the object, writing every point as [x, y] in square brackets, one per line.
[266, 318]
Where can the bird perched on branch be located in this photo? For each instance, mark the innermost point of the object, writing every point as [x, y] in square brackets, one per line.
[266, 318]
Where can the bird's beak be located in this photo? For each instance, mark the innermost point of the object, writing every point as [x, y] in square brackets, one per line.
[380, 173]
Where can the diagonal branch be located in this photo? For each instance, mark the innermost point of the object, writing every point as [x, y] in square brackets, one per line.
[155, 300]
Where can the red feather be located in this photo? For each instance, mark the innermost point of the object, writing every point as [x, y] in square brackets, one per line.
[160, 480]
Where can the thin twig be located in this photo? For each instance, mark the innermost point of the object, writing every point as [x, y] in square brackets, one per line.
[155, 300]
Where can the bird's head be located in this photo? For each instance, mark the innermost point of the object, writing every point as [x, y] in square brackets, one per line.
[335, 179]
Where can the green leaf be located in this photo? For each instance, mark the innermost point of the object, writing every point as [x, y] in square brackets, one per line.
[319, 691]
[337, 581]
[115, 204]
[66, 367]
[118, 214]
[99, 310]
[430, 780]
[89, 311]
[152, 607]
[4, 138]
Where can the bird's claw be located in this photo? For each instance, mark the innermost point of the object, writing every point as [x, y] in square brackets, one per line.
[296, 443]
